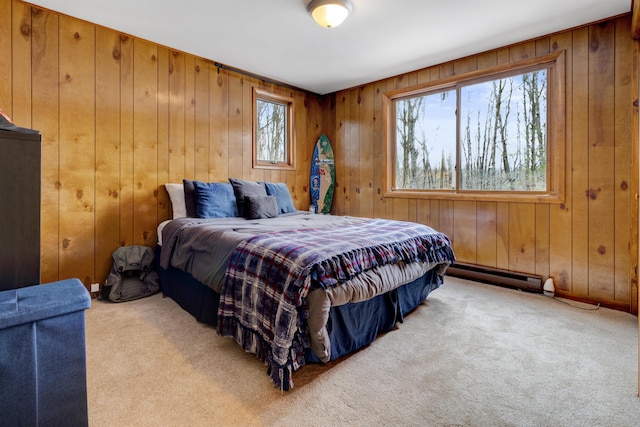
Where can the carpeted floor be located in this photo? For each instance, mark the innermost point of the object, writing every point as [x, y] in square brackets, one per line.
[471, 355]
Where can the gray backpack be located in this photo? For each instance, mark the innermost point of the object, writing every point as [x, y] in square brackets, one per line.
[132, 275]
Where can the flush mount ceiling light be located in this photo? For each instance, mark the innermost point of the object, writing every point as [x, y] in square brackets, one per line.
[329, 13]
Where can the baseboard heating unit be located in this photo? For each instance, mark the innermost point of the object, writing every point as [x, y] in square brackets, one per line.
[525, 282]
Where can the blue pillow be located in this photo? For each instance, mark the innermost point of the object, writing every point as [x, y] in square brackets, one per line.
[215, 200]
[283, 197]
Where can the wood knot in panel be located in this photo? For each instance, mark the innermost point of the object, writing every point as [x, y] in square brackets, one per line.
[602, 250]
[562, 281]
[358, 190]
[197, 68]
[76, 35]
[116, 53]
[154, 58]
[25, 29]
[57, 185]
[124, 38]
[35, 11]
[563, 207]
[554, 46]
[145, 235]
[219, 81]
[155, 193]
[592, 194]
[624, 185]
[79, 194]
[113, 193]
[65, 243]
[139, 185]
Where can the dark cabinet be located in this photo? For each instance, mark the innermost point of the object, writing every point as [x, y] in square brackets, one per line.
[20, 170]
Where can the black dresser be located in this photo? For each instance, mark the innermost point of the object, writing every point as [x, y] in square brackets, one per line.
[20, 171]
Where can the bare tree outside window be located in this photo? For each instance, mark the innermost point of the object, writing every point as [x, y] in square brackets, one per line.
[273, 136]
[270, 131]
[477, 135]
[426, 141]
[504, 140]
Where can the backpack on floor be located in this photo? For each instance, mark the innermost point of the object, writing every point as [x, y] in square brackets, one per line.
[132, 275]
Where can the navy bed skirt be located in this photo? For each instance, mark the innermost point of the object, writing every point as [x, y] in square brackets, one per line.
[355, 325]
[350, 326]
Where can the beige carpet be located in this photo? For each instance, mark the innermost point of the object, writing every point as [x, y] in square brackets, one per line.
[471, 355]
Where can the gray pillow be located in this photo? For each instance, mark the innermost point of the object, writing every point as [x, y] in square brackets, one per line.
[189, 197]
[242, 188]
[256, 207]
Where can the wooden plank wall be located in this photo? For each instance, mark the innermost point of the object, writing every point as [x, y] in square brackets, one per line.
[587, 244]
[122, 116]
[119, 118]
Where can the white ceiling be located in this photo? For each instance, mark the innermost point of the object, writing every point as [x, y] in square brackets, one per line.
[278, 39]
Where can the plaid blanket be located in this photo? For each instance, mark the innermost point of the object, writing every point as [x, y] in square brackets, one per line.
[262, 299]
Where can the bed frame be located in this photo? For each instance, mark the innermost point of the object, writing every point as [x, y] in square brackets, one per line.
[345, 333]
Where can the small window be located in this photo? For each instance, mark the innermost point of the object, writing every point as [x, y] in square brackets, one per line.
[489, 134]
[273, 137]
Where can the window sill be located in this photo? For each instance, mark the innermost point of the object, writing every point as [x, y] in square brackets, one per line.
[503, 196]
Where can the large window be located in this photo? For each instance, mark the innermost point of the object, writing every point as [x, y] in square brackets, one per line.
[497, 132]
[273, 137]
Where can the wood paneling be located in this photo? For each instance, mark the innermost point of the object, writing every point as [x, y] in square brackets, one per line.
[120, 117]
[107, 142]
[585, 243]
[77, 149]
[45, 118]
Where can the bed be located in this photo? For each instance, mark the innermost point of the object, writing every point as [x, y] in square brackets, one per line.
[290, 286]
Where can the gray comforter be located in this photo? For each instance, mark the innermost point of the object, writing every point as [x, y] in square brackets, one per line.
[203, 247]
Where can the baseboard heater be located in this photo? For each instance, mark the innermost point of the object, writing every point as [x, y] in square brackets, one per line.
[525, 282]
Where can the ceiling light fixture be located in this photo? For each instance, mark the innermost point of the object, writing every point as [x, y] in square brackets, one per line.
[329, 13]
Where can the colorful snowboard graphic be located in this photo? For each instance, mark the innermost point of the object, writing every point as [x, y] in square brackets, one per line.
[323, 176]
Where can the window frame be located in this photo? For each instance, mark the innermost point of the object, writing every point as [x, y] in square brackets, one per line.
[556, 140]
[287, 101]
